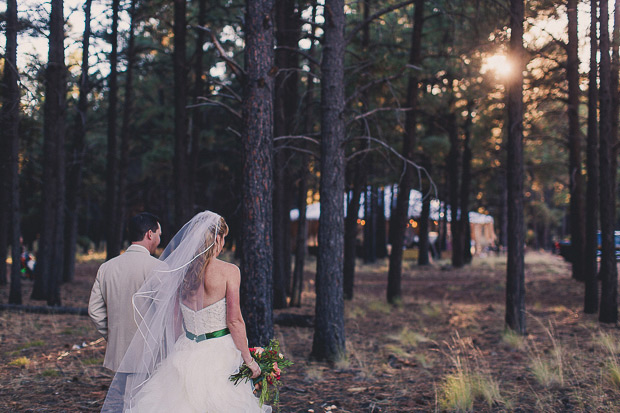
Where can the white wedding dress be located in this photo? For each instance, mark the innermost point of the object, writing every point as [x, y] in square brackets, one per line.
[195, 377]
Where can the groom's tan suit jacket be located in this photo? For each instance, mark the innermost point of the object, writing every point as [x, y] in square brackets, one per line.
[110, 306]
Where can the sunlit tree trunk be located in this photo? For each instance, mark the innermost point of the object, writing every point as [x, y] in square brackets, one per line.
[111, 213]
[329, 334]
[515, 277]
[398, 220]
[257, 198]
[456, 214]
[75, 167]
[49, 269]
[608, 312]
[577, 207]
[592, 191]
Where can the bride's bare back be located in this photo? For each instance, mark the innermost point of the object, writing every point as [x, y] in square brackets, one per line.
[215, 284]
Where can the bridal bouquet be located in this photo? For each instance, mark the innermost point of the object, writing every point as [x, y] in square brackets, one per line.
[271, 362]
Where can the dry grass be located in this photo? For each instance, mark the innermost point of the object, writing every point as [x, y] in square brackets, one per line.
[443, 349]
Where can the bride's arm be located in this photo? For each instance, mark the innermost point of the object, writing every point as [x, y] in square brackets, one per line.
[234, 319]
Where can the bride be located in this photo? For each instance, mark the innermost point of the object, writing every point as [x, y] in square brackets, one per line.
[191, 336]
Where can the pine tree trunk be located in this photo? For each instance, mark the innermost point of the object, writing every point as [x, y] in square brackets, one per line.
[329, 335]
[9, 124]
[199, 115]
[74, 178]
[615, 92]
[302, 235]
[350, 231]
[127, 128]
[608, 312]
[381, 240]
[49, 267]
[285, 114]
[370, 227]
[302, 230]
[425, 216]
[112, 238]
[456, 215]
[515, 279]
[466, 188]
[257, 247]
[577, 206]
[398, 220]
[182, 208]
[592, 191]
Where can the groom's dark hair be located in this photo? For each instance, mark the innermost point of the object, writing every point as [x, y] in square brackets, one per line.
[140, 225]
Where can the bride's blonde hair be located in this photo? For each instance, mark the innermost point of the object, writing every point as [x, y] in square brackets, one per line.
[195, 274]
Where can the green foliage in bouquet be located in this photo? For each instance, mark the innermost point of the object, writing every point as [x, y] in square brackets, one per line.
[272, 363]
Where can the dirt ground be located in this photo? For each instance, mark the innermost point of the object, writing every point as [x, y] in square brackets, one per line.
[448, 330]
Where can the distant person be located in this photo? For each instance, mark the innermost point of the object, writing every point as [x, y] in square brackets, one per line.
[110, 306]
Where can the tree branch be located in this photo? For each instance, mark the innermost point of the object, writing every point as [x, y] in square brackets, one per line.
[231, 63]
[298, 51]
[301, 137]
[380, 13]
[211, 102]
[372, 112]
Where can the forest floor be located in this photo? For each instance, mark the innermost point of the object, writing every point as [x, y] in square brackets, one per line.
[443, 349]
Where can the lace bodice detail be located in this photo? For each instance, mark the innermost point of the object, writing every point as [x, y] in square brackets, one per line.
[206, 320]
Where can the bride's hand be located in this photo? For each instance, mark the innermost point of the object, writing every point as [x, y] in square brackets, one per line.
[253, 365]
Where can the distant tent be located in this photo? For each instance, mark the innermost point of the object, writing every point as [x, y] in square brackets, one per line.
[482, 225]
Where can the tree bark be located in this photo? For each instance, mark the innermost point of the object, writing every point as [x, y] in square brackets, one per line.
[615, 92]
[285, 114]
[182, 208]
[74, 178]
[592, 190]
[608, 312]
[257, 246]
[423, 243]
[112, 237]
[350, 231]
[380, 233]
[466, 187]
[9, 121]
[329, 335]
[370, 227]
[302, 230]
[127, 128]
[577, 207]
[456, 214]
[199, 115]
[302, 235]
[515, 279]
[49, 269]
[398, 220]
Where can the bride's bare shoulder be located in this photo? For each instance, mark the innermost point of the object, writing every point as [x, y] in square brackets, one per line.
[226, 267]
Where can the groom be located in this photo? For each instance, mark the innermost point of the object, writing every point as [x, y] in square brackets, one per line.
[110, 306]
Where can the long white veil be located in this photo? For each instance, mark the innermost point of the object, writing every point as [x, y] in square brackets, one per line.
[156, 308]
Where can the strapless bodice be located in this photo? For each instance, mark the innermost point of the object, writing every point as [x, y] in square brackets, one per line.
[205, 320]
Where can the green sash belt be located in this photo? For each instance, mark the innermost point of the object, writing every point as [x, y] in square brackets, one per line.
[206, 336]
